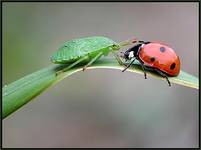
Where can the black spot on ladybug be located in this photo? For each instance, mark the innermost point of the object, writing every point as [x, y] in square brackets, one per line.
[162, 49]
[152, 59]
[173, 65]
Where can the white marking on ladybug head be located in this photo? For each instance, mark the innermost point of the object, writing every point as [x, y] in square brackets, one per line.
[131, 55]
[142, 45]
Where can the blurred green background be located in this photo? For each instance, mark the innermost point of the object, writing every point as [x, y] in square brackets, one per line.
[100, 108]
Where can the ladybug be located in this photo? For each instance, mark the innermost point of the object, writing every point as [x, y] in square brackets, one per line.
[154, 56]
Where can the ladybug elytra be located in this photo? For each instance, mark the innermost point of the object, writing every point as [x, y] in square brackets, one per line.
[154, 56]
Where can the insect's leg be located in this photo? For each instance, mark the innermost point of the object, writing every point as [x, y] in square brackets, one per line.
[144, 69]
[94, 59]
[163, 75]
[117, 58]
[129, 65]
[72, 65]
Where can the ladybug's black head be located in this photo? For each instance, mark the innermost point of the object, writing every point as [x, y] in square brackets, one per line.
[126, 55]
[131, 52]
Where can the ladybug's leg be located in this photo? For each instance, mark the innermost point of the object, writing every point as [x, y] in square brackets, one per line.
[144, 69]
[163, 75]
[129, 65]
[93, 60]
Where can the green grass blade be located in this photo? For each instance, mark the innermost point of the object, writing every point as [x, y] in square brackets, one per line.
[20, 92]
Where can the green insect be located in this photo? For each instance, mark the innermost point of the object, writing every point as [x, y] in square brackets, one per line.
[86, 50]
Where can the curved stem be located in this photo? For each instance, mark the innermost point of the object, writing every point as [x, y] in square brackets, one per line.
[20, 92]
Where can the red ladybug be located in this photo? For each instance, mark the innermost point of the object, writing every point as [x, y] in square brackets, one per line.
[154, 56]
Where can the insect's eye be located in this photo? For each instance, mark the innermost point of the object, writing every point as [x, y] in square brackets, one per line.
[115, 46]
